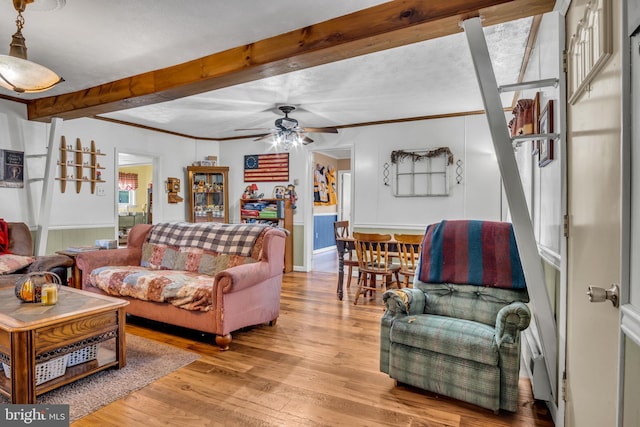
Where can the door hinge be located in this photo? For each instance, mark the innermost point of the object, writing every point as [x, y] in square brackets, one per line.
[564, 61]
[565, 225]
[563, 390]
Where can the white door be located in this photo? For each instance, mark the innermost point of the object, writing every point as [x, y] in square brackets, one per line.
[594, 242]
[629, 371]
[344, 196]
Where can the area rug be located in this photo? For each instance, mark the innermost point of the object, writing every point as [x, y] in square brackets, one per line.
[147, 361]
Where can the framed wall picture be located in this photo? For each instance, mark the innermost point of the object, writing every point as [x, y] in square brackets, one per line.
[545, 126]
[11, 169]
[266, 167]
[590, 47]
[535, 144]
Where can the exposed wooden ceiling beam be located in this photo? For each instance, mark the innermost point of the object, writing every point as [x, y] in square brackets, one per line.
[378, 28]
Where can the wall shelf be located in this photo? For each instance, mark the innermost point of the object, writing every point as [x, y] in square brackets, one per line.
[283, 218]
[78, 164]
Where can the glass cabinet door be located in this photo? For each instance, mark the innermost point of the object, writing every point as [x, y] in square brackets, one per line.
[208, 194]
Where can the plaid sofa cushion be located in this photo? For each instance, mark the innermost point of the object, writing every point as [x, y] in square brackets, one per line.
[232, 239]
[455, 337]
[205, 248]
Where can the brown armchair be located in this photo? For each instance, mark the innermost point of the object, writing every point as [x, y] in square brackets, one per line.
[21, 243]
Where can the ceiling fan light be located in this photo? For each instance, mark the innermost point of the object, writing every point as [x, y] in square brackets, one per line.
[24, 76]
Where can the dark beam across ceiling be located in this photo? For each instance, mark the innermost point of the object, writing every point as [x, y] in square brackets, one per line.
[374, 29]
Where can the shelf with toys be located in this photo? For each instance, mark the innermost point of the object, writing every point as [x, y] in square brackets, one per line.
[77, 164]
[277, 212]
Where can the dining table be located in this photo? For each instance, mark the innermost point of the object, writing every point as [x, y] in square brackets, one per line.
[343, 246]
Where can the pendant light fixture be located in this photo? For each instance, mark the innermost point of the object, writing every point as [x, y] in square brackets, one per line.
[19, 74]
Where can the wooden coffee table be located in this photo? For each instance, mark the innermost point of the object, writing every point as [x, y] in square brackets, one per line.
[32, 334]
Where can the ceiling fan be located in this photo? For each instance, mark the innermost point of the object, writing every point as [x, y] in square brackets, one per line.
[287, 131]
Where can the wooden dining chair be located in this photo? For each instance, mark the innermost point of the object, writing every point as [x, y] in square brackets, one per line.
[373, 253]
[341, 230]
[408, 248]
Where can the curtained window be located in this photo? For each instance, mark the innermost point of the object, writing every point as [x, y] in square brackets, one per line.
[127, 181]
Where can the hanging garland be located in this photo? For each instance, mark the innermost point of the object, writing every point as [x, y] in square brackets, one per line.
[416, 156]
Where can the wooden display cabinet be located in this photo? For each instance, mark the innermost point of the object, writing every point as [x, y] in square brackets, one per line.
[208, 193]
[283, 219]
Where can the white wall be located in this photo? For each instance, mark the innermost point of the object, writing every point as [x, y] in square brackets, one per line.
[543, 185]
[477, 197]
[86, 210]
[19, 204]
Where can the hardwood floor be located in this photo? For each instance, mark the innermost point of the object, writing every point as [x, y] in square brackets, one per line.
[317, 367]
[326, 261]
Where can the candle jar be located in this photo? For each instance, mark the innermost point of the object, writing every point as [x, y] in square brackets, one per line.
[29, 287]
[49, 294]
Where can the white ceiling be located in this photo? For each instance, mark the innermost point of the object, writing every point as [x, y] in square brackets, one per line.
[91, 42]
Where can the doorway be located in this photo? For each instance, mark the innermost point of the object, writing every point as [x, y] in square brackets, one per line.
[134, 193]
[333, 169]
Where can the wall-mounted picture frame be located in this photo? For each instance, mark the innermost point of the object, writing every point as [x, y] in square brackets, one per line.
[590, 47]
[535, 144]
[11, 169]
[545, 126]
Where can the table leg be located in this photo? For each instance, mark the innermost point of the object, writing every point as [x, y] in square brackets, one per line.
[121, 346]
[23, 368]
[340, 246]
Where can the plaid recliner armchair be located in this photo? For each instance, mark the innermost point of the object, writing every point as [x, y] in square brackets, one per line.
[457, 332]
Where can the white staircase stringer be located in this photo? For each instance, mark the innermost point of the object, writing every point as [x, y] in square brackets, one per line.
[522, 225]
[47, 188]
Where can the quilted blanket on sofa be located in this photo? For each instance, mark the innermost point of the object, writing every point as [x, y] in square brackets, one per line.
[184, 289]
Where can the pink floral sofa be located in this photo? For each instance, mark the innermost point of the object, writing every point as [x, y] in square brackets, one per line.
[211, 277]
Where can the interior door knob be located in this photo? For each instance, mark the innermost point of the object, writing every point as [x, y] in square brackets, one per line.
[597, 294]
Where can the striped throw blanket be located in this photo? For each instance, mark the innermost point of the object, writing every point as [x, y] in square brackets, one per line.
[230, 239]
[482, 253]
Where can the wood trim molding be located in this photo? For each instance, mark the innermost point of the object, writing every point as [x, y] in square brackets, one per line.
[352, 125]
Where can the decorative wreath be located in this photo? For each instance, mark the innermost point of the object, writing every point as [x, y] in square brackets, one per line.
[400, 155]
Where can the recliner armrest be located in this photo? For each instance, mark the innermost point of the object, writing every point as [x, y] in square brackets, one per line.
[511, 319]
[404, 302]
[48, 262]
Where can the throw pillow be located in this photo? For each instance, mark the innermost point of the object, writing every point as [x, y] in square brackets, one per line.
[10, 263]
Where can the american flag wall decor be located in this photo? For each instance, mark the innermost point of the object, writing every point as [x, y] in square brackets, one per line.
[266, 167]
